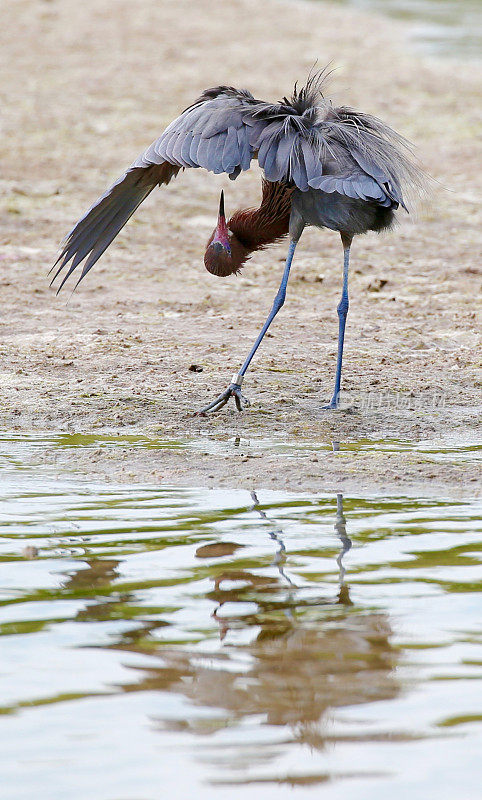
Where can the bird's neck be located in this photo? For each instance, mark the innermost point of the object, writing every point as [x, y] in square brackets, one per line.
[251, 229]
[256, 228]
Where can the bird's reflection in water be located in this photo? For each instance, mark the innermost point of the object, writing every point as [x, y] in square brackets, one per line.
[340, 528]
[97, 578]
[293, 661]
[275, 534]
[293, 658]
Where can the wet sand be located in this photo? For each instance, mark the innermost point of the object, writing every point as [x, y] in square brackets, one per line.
[85, 90]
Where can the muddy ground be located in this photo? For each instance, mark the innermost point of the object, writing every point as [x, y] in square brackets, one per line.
[85, 88]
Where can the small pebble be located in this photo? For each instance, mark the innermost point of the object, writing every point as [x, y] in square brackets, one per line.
[377, 284]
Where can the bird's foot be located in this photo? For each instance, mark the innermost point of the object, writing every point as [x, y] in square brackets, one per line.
[233, 390]
[333, 404]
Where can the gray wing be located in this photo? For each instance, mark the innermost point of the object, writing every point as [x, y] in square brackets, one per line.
[210, 134]
[343, 174]
[284, 146]
[375, 160]
[332, 149]
[308, 160]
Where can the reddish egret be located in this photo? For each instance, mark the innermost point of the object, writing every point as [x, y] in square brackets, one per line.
[324, 166]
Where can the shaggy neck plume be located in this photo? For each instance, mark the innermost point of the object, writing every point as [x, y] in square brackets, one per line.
[249, 230]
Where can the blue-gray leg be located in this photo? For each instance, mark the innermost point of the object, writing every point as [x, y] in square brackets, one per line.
[342, 310]
[277, 304]
[234, 388]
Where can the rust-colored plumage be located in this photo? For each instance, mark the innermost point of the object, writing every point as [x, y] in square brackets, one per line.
[258, 227]
[249, 230]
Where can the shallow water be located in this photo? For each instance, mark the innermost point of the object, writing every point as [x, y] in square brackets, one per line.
[160, 642]
[439, 27]
[24, 449]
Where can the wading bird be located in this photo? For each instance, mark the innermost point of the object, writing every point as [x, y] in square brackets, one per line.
[329, 167]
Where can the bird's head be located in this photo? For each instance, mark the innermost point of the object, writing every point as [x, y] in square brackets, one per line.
[224, 254]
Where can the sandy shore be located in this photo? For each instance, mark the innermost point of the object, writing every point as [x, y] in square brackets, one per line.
[86, 87]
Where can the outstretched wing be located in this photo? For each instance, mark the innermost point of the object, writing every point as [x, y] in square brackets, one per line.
[306, 142]
[312, 145]
[374, 160]
[302, 142]
[211, 134]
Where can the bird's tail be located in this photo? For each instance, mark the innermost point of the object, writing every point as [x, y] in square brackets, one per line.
[100, 225]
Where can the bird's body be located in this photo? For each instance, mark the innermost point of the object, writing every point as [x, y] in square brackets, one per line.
[340, 213]
[323, 166]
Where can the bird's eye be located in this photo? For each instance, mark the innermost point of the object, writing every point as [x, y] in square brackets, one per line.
[221, 248]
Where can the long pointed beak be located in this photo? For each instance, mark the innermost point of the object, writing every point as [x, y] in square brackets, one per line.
[221, 217]
[221, 235]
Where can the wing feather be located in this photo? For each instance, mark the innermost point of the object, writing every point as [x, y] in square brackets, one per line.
[298, 169]
[245, 152]
[196, 139]
[231, 154]
[177, 149]
[268, 157]
[186, 152]
[218, 154]
[202, 153]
